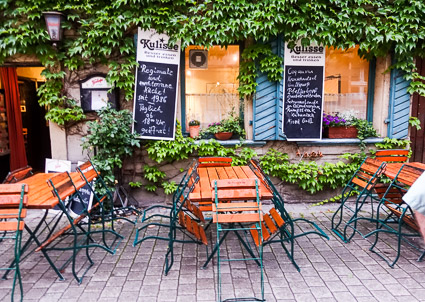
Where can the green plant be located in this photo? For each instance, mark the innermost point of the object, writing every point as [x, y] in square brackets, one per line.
[110, 139]
[232, 123]
[169, 151]
[154, 175]
[169, 187]
[194, 123]
[415, 122]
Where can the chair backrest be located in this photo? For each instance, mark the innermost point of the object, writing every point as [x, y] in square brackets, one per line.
[62, 187]
[18, 175]
[214, 162]
[392, 155]
[13, 200]
[367, 174]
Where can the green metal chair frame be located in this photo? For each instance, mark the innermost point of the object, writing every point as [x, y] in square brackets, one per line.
[102, 193]
[12, 212]
[282, 232]
[361, 184]
[179, 219]
[394, 216]
[146, 216]
[77, 229]
[235, 228]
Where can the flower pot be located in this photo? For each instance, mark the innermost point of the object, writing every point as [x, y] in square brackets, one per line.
[194, 131]
[223, 135]
[342, 132]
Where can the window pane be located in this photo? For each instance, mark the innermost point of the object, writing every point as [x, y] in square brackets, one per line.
[211, 93]
[346, 79]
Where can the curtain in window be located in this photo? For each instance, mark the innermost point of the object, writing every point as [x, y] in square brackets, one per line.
[18, 157]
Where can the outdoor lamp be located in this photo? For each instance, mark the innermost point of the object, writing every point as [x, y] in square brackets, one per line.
[53, 24]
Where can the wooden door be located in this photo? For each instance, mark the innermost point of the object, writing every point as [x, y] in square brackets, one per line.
[418, 110]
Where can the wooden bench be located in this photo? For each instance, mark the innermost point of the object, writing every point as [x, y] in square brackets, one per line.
[392, 155]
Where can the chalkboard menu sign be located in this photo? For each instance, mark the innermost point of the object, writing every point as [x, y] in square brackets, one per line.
[303, 92]
[156, 90]
[155, 96]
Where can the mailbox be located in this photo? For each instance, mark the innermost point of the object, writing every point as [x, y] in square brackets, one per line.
[96, 93]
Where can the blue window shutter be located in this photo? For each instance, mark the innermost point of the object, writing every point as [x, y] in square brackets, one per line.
[399, 110]
[268, 102]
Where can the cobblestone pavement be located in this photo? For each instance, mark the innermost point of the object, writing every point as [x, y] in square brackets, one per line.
[330, 270]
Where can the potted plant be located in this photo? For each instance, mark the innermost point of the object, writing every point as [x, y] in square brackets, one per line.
[336, 126]
[194, 126]
[227, 127]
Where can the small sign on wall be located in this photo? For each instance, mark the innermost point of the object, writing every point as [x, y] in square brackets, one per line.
[95, 93]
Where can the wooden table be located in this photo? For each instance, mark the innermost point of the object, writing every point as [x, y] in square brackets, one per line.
[41, 196]
[202, 192]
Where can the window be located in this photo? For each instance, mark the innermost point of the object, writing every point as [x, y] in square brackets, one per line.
[211, 85]
[346, 82]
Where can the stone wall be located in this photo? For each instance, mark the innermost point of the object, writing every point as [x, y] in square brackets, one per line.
[133, 170]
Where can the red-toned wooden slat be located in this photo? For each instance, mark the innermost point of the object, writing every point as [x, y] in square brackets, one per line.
[203, 236]
[188, 223]
[236, 206]
[222, 173]
[195, 229]
[204, 182]
[255, 234]
[277, 218]
[230, 172]
[407, 219]
[359, 182]
[249, 173]
[239, 172]
[231, 218]
[234, 183]
[12, 201]
[212, 174]
[270, 224]
[12, 188]
[11, 225]
[236, 194]
[182, 221]
[12, 213]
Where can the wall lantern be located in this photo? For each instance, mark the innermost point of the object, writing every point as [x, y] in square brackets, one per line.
[53, 24]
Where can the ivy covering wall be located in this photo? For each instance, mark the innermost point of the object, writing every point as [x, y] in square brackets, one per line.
[101, 32]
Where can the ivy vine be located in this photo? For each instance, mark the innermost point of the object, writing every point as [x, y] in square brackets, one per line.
[102, 33]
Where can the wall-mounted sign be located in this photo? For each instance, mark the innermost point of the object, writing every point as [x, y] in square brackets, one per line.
[303, 92]
[155, 97]
[95, 93]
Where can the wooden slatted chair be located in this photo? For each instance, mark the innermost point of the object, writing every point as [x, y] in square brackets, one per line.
[18, 175]
[362, 184]
[102, 194]
[394, 216]
[81, 232]
[183, 216]
[13, 201]
[236, 206]
[188, 179]
[278, 226]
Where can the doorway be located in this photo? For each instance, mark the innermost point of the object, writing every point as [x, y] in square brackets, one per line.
[34, 125]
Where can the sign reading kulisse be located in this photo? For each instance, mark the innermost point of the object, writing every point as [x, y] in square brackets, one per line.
[155, 96]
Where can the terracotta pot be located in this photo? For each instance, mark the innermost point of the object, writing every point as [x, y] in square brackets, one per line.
[194, 131]
[342, 132]
[223, 135]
